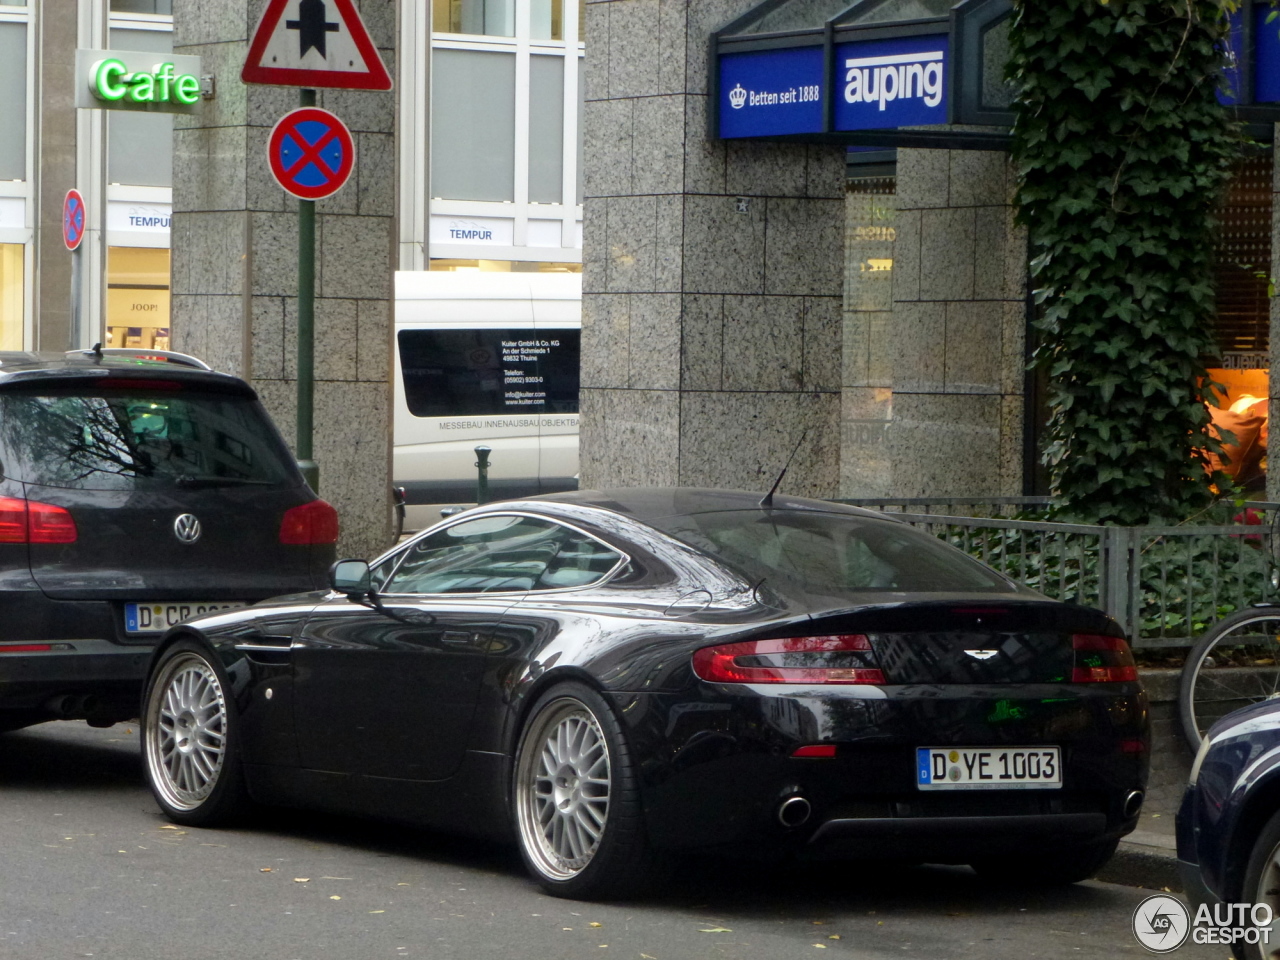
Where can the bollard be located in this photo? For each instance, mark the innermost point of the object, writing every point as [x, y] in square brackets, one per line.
[482, 474]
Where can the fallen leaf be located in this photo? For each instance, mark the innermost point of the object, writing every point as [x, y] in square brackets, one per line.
[335, 898]
[715, 930]
[377, 911]
[821, 946]
[301, 879]
[647, 957]
[119, 851]
[265, 869]
[566, 928]
[834, 936]
[402, 884]
[818, 923]
[594, 924]
[169, 826]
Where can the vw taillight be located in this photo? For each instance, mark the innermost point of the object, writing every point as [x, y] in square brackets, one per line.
[29, 521]
[1102, 659]
[836, 658]
[308, 523]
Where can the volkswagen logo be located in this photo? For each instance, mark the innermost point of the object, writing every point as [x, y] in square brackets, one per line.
[187, 528]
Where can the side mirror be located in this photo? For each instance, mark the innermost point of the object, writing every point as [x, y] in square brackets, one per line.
[350, 577]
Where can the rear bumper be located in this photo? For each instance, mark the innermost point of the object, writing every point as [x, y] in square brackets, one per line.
[111, 673]
[718, 768]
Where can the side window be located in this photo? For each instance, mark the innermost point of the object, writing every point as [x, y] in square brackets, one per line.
[452, 373]
[501, 553]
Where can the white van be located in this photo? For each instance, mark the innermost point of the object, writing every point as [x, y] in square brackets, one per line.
[485, 358]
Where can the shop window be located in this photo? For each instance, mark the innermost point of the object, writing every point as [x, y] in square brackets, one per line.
[138, 297]
[490, 18]
[140, 145]
[546, 129]
[546, 19]
[504, 266]
[161, 7]
[1242, 322]
[13, 120]
[473, 125]
[11, 299]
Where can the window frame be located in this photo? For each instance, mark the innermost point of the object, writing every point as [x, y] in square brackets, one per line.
[403, 549]
[24, 190]
[419, 207]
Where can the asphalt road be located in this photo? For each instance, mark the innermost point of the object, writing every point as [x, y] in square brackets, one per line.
[89, 868]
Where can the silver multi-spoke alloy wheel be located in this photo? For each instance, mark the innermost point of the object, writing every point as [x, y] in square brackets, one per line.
[186, 731]
[1267, 891]
[562, 788]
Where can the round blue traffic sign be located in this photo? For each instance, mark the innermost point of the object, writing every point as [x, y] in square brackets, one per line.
[311, 153]
[73, 219]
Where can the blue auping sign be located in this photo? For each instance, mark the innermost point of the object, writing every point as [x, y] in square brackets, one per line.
[878, 84]
[892, 83]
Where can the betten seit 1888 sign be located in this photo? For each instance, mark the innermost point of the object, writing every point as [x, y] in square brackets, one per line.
[878, 84]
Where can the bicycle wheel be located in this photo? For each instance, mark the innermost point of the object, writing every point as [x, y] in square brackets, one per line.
[1235, 664]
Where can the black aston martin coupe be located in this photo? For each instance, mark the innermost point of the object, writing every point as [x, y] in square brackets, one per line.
[612, 676]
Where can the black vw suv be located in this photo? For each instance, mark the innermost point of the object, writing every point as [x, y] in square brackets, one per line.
[136, 490]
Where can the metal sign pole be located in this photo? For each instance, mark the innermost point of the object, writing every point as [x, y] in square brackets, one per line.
[306, 327]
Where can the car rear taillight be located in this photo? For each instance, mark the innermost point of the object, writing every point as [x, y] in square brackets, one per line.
[1101, 659]
[314, 522]
[840, 658]
[29, 521]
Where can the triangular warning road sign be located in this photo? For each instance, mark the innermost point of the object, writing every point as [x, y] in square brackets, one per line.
[314, 43]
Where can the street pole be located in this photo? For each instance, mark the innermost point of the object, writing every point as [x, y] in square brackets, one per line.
[306, 328]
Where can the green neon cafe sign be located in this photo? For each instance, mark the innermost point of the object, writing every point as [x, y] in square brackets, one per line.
[114, 82]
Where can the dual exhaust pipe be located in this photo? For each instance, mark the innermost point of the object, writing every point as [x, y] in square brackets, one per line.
[71, 706]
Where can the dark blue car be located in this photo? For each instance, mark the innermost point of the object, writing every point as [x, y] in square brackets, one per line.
[1229, 823]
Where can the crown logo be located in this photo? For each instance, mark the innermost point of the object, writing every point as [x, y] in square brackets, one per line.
[737, 97]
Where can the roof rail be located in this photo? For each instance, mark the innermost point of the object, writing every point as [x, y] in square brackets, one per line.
[141, 353]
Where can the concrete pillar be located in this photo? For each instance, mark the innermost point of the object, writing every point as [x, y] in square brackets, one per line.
[712, 272]
[957, 347]
[55, 168]
[234, 267]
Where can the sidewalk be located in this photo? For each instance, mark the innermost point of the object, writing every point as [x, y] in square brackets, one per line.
[1147, 857]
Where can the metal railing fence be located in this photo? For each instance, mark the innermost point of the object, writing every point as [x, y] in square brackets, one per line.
[1164, 584]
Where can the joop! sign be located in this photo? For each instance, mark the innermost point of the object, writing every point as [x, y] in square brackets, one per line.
[132, 80]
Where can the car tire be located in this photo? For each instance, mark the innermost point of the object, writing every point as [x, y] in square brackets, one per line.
[576, 799]
[1261, 882]
[190, 739]
[1048, 868]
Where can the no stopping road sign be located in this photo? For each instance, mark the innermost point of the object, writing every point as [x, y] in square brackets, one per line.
[311, 153]
[73, 219]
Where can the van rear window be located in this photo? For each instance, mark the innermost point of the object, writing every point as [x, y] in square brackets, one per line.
[451, 373]
[119, 439]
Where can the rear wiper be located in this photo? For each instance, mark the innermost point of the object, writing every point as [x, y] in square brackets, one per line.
[221, 482]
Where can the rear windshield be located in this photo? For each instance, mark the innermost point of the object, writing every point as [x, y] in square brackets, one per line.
[118, 439]
[831, 554]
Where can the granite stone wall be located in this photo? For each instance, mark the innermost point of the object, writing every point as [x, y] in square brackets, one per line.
[942, 385]
[234, 266]
[712, 273]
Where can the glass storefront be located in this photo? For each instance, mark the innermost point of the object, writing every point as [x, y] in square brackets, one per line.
[1242, 325]
[506, 266]
[137, 297]
[11, 285]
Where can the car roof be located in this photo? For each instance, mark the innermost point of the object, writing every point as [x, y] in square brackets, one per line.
[654, 503]
[33, 368]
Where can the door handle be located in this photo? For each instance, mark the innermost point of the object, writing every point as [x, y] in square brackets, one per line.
[458, 638]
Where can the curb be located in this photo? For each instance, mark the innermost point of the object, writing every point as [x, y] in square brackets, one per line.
[1140, 864]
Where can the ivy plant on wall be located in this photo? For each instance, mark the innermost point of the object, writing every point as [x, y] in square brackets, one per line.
[1121, 150]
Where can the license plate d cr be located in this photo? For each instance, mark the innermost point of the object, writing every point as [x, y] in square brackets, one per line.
[159, 617]
[988, 768]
